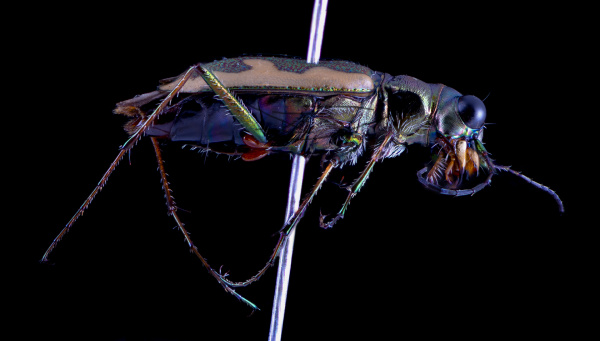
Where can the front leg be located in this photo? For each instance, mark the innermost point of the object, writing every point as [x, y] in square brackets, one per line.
[358, 183]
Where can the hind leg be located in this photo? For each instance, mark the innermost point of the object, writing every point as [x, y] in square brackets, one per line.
[172, 211]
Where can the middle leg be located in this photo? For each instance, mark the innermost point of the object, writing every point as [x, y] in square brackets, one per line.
[287, 228]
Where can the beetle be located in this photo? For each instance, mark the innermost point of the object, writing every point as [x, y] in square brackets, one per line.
[252, 106]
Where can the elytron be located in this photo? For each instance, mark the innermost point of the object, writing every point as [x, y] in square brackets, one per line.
[251, 107]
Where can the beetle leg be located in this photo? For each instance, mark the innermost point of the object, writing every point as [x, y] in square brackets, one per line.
[141, 129]
[287, 228]
[172, 211]
[86, 203]
[358, 183]
[235, 106]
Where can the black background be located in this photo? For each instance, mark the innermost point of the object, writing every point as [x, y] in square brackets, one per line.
[404, 261]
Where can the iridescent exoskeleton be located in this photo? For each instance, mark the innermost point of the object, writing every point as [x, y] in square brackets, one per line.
[251, 107]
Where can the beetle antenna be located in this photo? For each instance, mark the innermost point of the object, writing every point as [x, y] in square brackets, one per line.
[492, 170]
[546, 189]
[486, 97]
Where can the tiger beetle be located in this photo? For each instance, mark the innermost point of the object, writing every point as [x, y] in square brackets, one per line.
[250, 107]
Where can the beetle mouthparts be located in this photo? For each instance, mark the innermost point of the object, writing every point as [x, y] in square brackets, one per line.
[455, 160]
[450, 190]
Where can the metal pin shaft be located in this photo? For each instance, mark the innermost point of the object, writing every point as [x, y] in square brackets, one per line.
[295, 189]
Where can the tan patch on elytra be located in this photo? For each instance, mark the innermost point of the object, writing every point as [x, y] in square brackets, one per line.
[264, 73]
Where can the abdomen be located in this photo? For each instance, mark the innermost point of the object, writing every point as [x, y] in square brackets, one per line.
[202, 120]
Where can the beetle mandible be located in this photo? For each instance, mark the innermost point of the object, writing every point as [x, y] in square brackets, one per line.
[250, 107]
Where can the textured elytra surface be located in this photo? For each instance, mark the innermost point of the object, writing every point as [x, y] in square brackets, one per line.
[281, 74]
[286, 64]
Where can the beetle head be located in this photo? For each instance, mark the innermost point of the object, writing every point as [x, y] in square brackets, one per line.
[456, 132]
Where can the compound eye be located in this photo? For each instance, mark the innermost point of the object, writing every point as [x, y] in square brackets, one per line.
[472, 111]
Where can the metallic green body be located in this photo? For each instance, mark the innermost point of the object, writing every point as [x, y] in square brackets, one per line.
[254, 106]
[336, 107]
